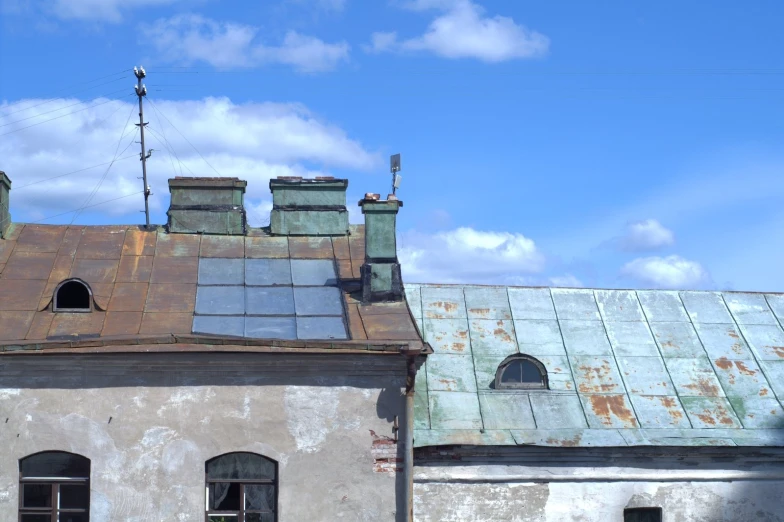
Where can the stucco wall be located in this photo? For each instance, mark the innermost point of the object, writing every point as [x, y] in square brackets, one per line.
[578, 487]
[148, 424]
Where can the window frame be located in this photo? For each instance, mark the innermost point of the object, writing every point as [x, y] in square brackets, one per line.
[58, 309]
[55, 482]
[499, 385]
[240, 514]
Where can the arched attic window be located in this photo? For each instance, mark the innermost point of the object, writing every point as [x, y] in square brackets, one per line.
[73, 295]
[242, 487]
[521, 372]
[54, 485]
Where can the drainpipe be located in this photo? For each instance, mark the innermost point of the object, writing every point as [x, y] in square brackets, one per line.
[408, 459]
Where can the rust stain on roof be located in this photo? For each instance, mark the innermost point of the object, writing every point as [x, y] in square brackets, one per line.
[723, 363]
[608, 406]
[704, 386]
[565, 443]
[743, 369]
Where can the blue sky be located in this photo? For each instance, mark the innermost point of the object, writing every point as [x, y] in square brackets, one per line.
[611, 144]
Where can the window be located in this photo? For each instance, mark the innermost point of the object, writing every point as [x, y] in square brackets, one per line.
[521, 372]
[241, 487]
[72, 295]
[54, 486]
[649, 514]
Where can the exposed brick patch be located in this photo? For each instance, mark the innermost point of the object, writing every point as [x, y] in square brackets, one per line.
[384, 452]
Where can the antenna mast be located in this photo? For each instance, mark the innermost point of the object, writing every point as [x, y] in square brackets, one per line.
[141, 92]
[394, 167]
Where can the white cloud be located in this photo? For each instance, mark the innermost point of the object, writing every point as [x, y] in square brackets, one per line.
[327, 5]
[192, 38]
[646, 235]
[465, 255]
[566, 280]
[253, 141]
[98, 10]
[462, 31]
[667, 272]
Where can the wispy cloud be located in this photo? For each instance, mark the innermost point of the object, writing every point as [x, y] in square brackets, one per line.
[327, 5]
[463, 31]
[192, 38]
[253, 141]
[667, 272]
[109, 11]
[643, 236]
[466, 255]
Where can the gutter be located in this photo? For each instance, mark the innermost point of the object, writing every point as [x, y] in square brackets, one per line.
[408, 455]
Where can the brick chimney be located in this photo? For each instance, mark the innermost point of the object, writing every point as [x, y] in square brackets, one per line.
[381, 270]
[309, 207]
[207, 205]
[5, 204]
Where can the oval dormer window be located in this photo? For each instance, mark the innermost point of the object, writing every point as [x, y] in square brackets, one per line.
[521, 372]
[73, 295]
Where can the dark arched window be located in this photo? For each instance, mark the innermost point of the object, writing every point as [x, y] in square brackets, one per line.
[521, 372]
[54, 486]
[242, 487]
[72, 295]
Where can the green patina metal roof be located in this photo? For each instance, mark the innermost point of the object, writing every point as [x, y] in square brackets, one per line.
[625, 368]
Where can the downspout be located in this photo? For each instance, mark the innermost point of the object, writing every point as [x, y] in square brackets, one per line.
[408, 458]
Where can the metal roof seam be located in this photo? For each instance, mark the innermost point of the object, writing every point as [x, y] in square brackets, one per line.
[661, 356]
[615, 358]
[473, 362]
[568, 360]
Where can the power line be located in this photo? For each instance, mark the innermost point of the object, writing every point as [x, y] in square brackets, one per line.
[170, 150]
[78, 84]
[84, 207]
[186, 139]
[58, 109]
[63, 115]
[106, 173]
[60, 97]
[73, 172]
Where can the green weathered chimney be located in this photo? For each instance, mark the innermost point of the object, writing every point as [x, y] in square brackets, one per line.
[5, 204]
[207, 205]
[381, 279]
[309, 207]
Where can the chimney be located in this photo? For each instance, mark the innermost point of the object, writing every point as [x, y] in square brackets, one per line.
[381, 271]
[207, 205]
[308, 207]
[5, 204]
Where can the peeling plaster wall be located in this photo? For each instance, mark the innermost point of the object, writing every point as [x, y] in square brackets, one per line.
[149, 428]
[483, 498]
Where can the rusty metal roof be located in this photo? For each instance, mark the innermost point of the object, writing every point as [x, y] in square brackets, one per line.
[625, 367]
[152, 282]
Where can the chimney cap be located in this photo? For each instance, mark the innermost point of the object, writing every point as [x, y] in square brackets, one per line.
[298, 181]
[215, 182]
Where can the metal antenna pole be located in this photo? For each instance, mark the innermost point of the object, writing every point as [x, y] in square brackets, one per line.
[141, 92]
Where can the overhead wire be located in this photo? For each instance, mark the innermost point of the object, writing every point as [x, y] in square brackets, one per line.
[66, 114]
[186, 139]
[88, 206]
[72, 172]
[167, 145]
[58, 109]
[124, 71]
[106, 173]
[50, 100]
